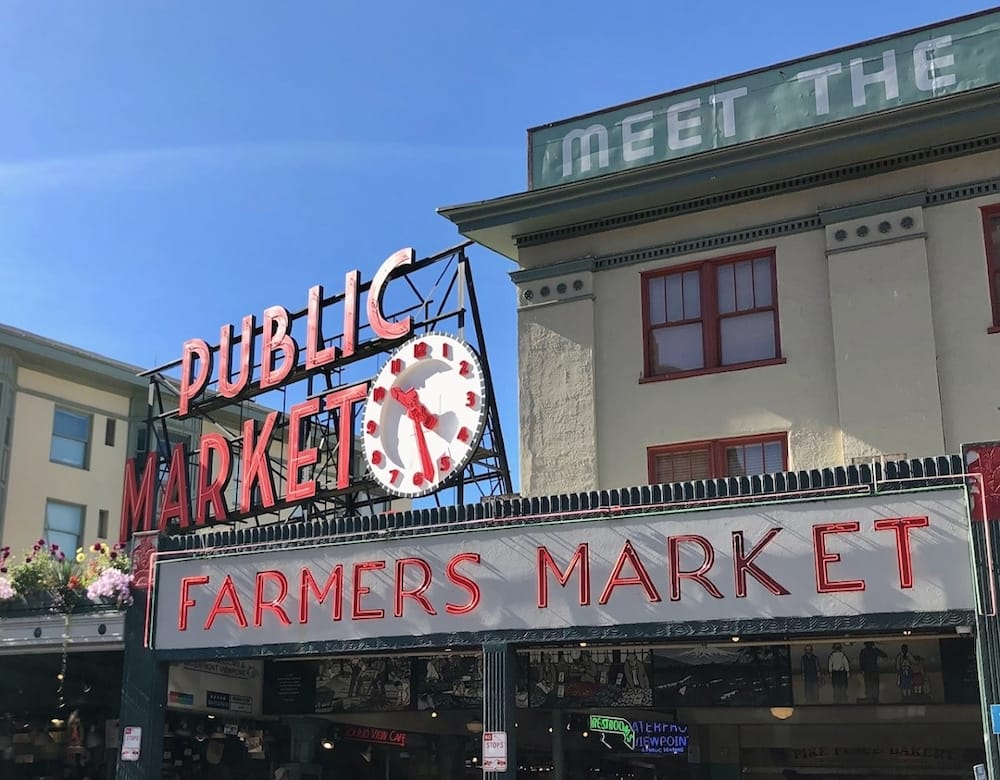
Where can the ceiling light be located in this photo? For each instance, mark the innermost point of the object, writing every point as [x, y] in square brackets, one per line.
[782, 713]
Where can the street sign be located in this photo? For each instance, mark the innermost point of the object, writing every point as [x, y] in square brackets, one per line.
[494, 751]
[979, 772]
[995, 717]
[131, 743]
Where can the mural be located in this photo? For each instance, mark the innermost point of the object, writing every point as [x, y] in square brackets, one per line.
[602, 677]
[448, 681]
[363, 684]
[735, 676]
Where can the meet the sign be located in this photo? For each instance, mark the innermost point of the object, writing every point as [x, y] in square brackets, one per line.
[846, 556]
[954, 57]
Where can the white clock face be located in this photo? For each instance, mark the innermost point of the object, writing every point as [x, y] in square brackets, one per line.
[425, 414]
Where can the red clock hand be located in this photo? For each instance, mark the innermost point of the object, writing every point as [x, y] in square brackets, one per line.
[417, 410]
[425, 455]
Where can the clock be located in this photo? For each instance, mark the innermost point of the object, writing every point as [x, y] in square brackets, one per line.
[424, 415]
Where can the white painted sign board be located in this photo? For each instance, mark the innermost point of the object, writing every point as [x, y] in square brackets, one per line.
[494, 751]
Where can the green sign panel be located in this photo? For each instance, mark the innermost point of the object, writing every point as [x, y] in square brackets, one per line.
[610, 725]
[953, 57]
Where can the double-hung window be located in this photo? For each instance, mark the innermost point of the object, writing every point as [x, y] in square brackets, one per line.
[70, 438]
[740, 457]
[717, 315]
[64, 525]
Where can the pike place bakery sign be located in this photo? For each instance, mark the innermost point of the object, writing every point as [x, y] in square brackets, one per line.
[848, 556]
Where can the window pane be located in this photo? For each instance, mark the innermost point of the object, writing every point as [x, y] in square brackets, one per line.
[68, 451]
[747, 338]
[64, 540]
[762, 281]
[678, 348]
[63, 525]
[657, 306]
[773, 457]
[675, 299]
[727, 289]
[682, 466]
[995, 234]
[692, 296]
[72, 426]
[744, 285]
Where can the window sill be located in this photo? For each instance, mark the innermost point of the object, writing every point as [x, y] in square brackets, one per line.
[715, 370]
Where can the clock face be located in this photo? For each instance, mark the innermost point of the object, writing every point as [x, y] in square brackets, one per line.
[425, 414]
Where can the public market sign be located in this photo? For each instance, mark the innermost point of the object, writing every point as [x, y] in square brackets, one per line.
[848, 556]
[929, 63]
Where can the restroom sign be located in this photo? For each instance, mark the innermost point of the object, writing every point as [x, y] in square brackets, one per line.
[494, 751]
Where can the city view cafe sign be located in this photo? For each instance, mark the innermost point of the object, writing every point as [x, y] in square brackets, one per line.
[832, 557]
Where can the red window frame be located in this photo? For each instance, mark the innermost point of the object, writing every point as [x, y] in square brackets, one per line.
[991, 213]
[716, 452]
[711, 317]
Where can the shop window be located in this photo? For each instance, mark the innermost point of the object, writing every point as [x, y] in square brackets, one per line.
[991, 232]
[64, 524]
[741, 457]
[716, 316]
[70, 438]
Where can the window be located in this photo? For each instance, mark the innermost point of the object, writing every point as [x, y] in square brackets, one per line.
[70, 438]
[109, 432]
[64, 525]
[717, 315]
[102, 524]
[991, 232]
[742, 457]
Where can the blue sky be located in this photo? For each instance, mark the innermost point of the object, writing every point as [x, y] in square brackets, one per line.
[168, 167]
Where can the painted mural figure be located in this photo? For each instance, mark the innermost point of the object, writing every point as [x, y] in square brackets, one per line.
[840, 670]
[904, 672]
[868, 660]
[811, 675]
[635, 672]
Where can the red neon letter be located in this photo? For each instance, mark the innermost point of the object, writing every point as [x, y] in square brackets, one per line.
[350, 340]
[211, 504]
[227, 387]
[193, 383]
[276, 339]
[641, 576]
[274, 605]
[417, 593]
[698, 575]
[256, 464]
[546, 564]
[343, 400]
[138, 502]
[743, 565]
[309, 587]
[299, 458]
[382, 328]
[902, 526]
[463, 582]
[234, 608]
[176, 497]
[357, 613]
[316, 354]
[823, 558]
[186, 601]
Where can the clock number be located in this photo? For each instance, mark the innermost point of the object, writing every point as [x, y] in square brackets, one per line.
[396, 365]
[378, 396]
[470, 400]
[371, 427]
[393, 476]
[444, 463]
[465, 368]
[376, 458]
[446, 350]
[464, 435]
[421, 349]
[418, 479]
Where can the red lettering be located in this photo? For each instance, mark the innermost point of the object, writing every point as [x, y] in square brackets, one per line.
[316, 354]
[309, 587]
[256, 466]
[697, 575]
[641, 576]
[277, 339]
[228, 388]
[357, 613]
[417, 593]
[823, 558]
[211, 504]
[175, 494]
[299, 458]
[381, 327]
[196, 368]
[138, 501]
[546, 563]
[227, 593]
[904, 555]
[343, 401]
[186, 601]
[273, 605]
[351, 283]
[460, 580]
[743, 565]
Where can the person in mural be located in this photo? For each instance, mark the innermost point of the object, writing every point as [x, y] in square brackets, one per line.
[904, 672]
[840, 671]
[811, 674]
[357, 667]
[587, 667]
[919, 678]
[635, 672]
[868, 661]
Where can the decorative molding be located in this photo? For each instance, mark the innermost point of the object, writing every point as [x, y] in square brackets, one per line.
[564, 288]
[44, 632]
[874, 229]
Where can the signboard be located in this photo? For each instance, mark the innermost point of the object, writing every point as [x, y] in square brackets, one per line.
[979, 772]
[494, 751]
[848, 556]
[230, 686]
[640, 736]
[131, 743]
[933, 62]
[995, 718]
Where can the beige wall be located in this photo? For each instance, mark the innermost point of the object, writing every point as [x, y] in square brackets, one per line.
[885, 338]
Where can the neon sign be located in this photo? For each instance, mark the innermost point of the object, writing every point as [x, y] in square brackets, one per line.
[652, 737]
